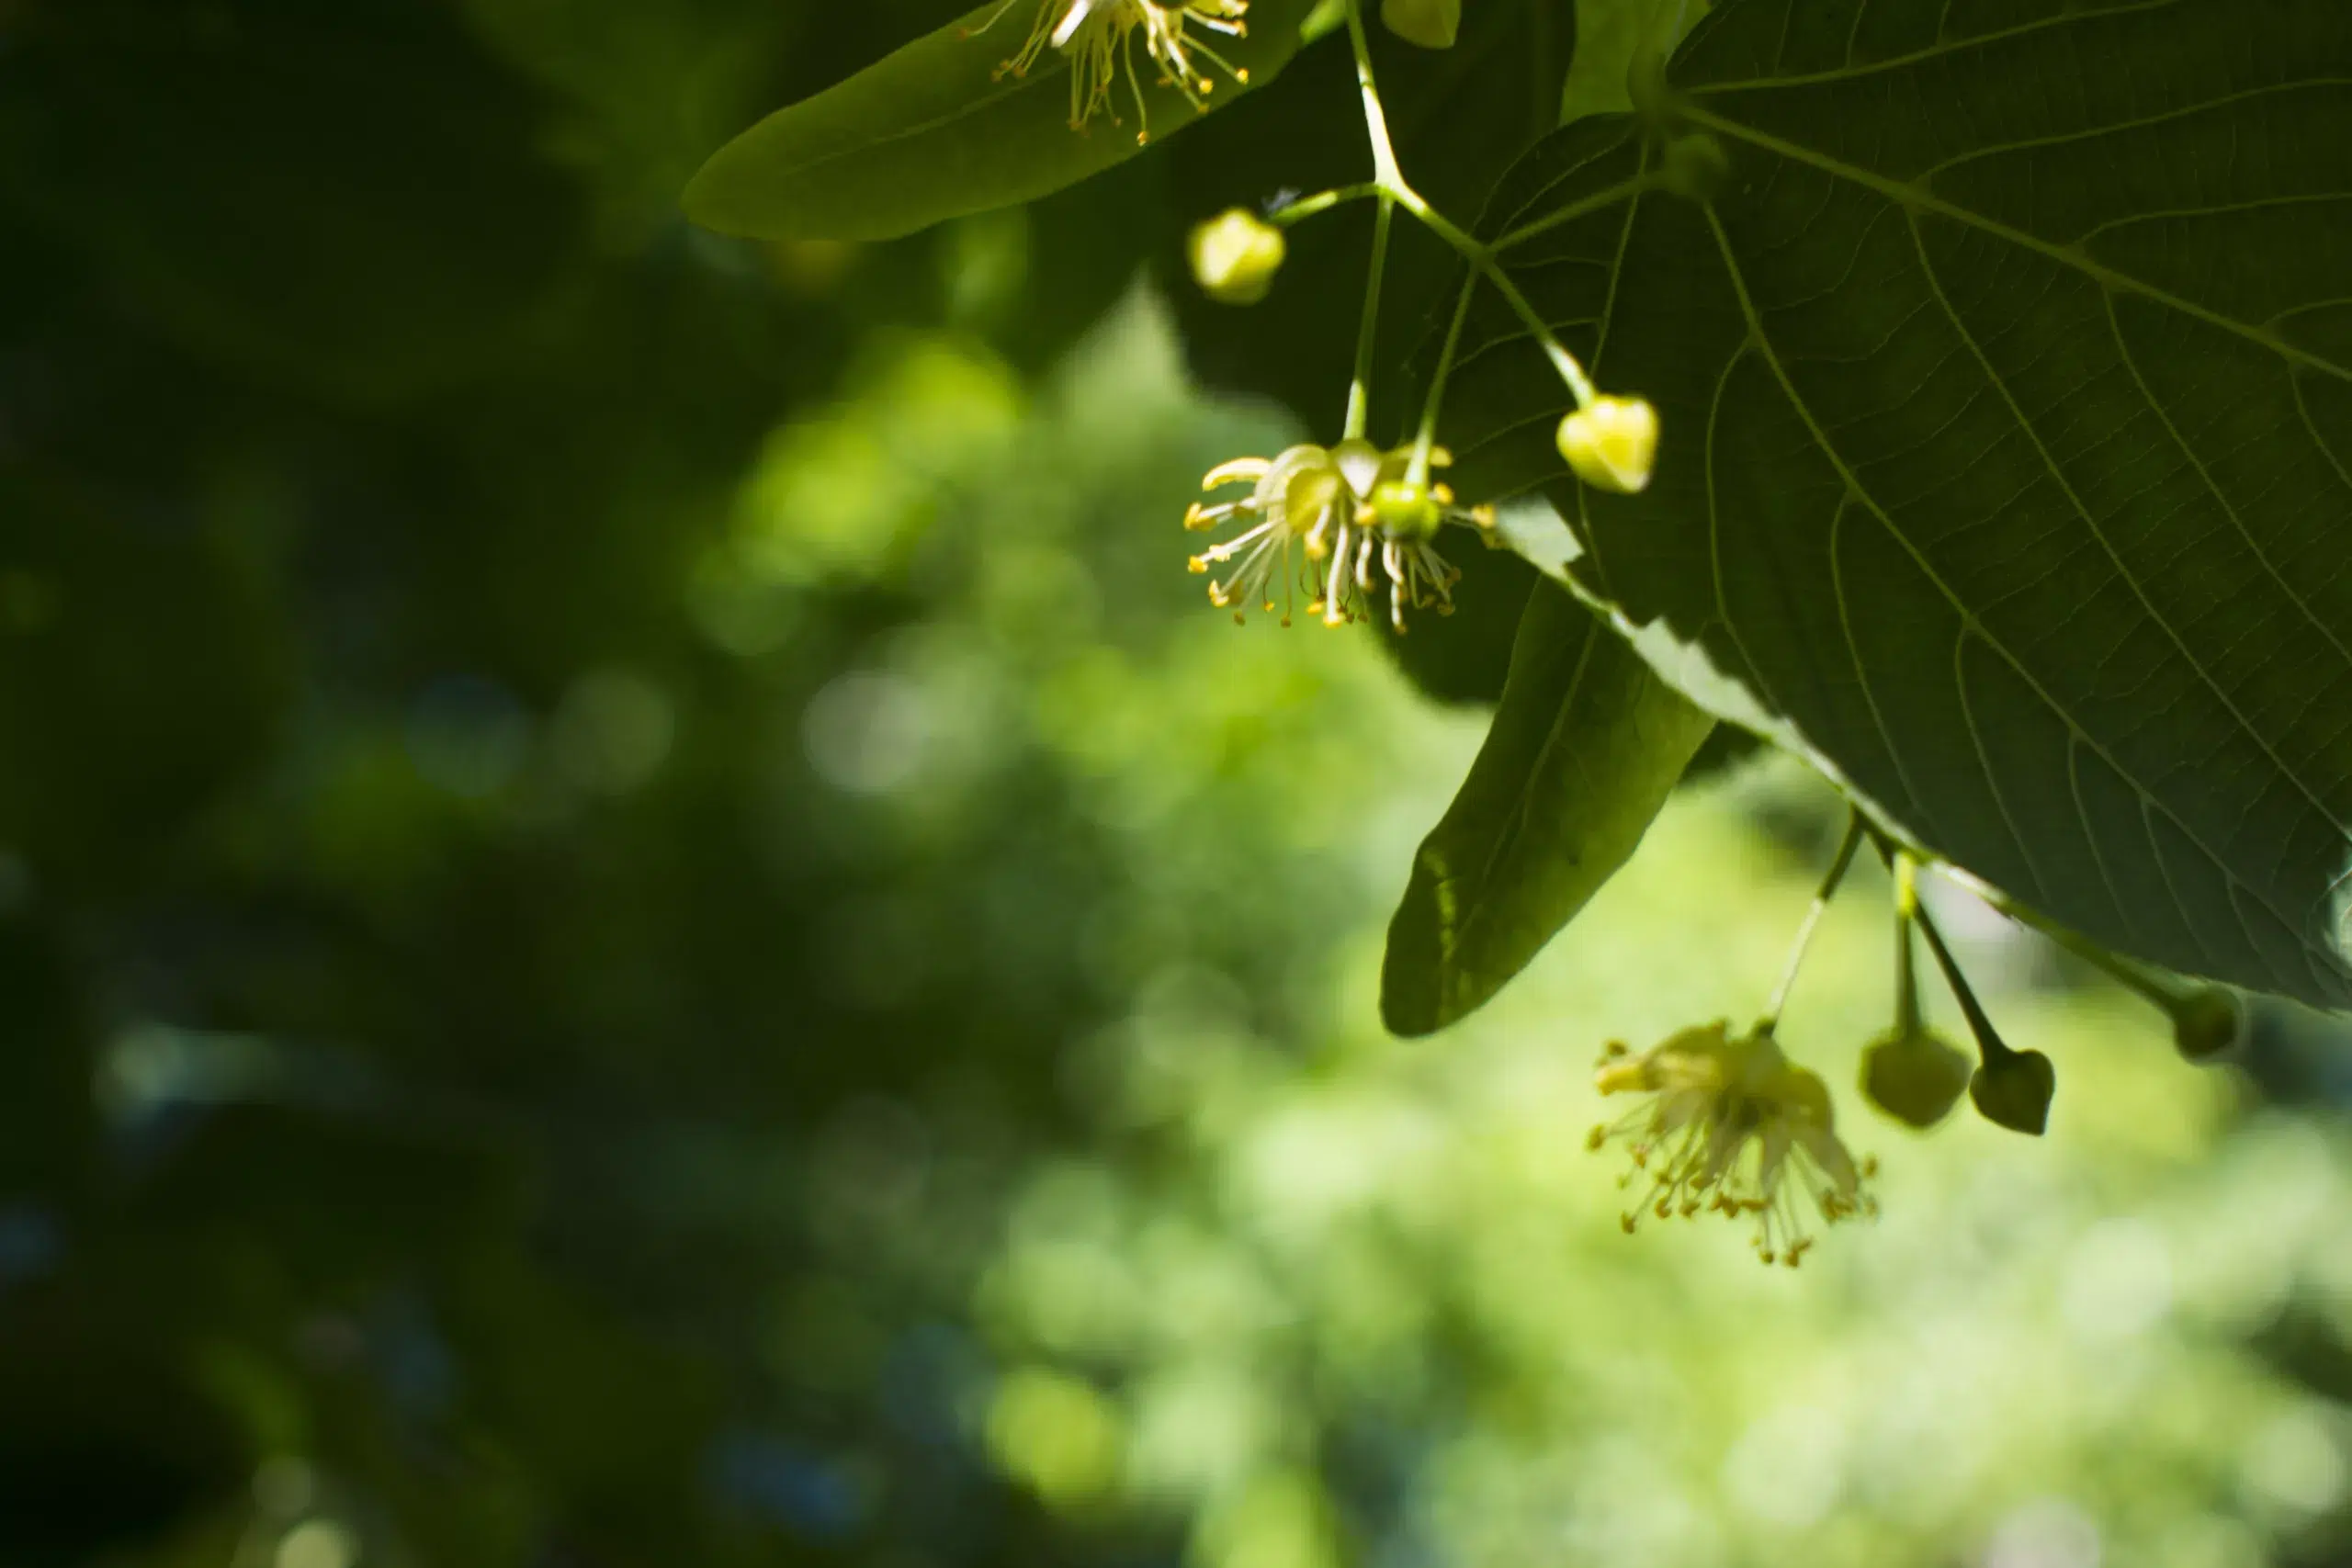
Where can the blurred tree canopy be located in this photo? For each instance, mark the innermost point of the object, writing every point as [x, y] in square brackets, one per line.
[639, 924]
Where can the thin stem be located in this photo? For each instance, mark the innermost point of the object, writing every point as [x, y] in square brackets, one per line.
[1385, 170]
[1360, 390]
[1907, 966]
[1438, 223]
[1829, 890]
[1387, 181]
[2146, 983]
[1482, 258]
[1624, 190]
[1417, 472]
[2152, 986]
[1988, 1043]
[1580, 386]
[1390, 180]
[2117, 969]
[1321, 201]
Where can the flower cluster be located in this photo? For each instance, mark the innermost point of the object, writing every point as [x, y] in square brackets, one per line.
[1097, 37]
[1334, 525]
[1732, 1127]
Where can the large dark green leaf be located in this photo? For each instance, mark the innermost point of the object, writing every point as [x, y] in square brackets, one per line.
[1586, 744]
[2008, 393]
[939, 130]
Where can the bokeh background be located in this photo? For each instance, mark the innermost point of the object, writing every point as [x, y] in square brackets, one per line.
[642, 921]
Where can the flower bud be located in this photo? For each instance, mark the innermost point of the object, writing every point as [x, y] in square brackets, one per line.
[2013, 1090]
[1429, 23]
[1612, 443]
[1234, 256]
[2208, 1022]
[1694, 166]
[1914, 1076]
[1405, 511]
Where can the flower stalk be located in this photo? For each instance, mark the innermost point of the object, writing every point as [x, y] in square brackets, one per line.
[1830, 883]
[1911, 1072]
[1394, 191]
[1345, 526]
[2207, 1020]
[2011, 1088]
[1359, 415]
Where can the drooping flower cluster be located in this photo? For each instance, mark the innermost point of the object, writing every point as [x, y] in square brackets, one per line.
[1334, 525]
[1732, 1127]
[1098, 38]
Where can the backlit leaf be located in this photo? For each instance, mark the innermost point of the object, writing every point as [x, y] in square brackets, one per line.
[1586, 744]
[2007, 391]
[940, 129]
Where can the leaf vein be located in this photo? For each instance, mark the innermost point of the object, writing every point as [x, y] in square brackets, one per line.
[1912, 199]
[2143, 122]
[1937, 49]
[2148, 800]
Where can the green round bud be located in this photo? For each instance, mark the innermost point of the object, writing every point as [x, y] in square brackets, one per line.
[2209, 1022]
[2014, 1090]
[1694, 166]
[1612, 445]
[1431, 23]
[1234, 256]
[1407, 510]
[1917, 1077]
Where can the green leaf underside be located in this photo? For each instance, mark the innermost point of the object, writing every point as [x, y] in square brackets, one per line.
[2007, 384]
[935, 131]
[1586, 744]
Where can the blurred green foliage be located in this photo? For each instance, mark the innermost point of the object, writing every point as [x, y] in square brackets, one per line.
[641, 922]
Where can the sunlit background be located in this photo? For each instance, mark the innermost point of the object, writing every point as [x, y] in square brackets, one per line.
[644, 921]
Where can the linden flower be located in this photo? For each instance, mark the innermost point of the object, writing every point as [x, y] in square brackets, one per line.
[1098, 36]
[1332, 525]
[1735, 1128]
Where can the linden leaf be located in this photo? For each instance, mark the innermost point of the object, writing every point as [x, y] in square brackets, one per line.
[938, 129]
[1587, 742]
[2007, 384]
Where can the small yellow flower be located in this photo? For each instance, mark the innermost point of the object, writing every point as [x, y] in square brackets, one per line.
[1335, 526]
[1732, 1127]
[1612, 443]
[1098, 38]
